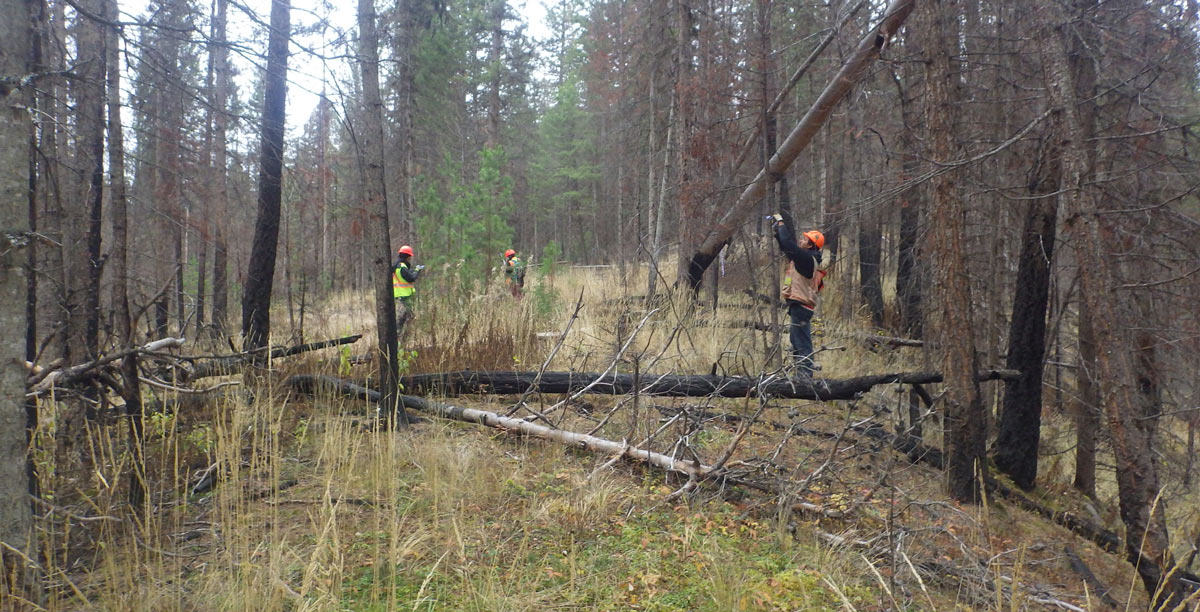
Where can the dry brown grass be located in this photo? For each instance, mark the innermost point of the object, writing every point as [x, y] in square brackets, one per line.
[315, 510]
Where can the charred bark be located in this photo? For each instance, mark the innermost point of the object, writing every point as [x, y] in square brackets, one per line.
[256, 304]
[1020, 426]
[669, 385]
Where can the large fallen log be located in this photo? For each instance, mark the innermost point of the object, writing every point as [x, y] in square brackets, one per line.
[229, 364]
[671, 385]
[327, 384]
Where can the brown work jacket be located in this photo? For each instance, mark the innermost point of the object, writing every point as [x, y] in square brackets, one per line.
[799, 288]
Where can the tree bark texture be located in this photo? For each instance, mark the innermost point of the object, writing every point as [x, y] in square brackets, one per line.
[16, 514]
[966, 423]
[1020, 426]
[370, 141]
[1131, 420]
[256, 302]
[799, 138]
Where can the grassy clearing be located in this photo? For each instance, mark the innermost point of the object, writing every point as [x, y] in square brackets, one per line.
[315, 510]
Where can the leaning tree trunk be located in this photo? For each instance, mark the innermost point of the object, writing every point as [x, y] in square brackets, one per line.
[1020, 425]
[797, 140]
[256, 303]
[16, 514]
[370, 141]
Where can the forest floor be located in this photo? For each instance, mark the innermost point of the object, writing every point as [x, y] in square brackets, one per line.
[312, 507]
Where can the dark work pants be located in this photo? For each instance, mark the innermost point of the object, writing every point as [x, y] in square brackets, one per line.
[800, 333]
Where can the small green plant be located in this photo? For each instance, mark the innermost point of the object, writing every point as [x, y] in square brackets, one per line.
[343, 360]
[545, 301]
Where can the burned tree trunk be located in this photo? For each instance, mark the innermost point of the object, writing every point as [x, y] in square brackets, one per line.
[670, 385]
[1020, 426]
[256, 303]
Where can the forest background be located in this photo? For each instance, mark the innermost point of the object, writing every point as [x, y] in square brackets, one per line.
[1019, 177]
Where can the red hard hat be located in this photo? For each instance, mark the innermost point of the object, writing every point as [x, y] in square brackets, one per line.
[509, 253]
[405, 250]
[817, 238]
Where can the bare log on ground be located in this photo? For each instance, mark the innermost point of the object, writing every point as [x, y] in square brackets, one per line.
[874, 342]
[693, 470]
[673, 385]
[221, 366]
[86, 371]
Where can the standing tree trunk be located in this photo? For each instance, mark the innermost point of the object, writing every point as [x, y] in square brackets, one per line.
[256, 302]
[370, 151]
[1132, 420]
[870, 252]
[1020, 426]
[1087, 407]
[84, 251]
[220, 204]
[130, 384]
[16, 513]
[496, 14]
[909, 276]
[966, 425]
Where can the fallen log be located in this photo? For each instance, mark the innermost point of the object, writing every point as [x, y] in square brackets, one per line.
[693, 470]
[873, 342]
[221, 366]
[43, 381]
[669, 385]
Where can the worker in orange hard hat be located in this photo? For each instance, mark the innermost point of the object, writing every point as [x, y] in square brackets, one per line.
[801, 284]
[404, 275]
[514, 273]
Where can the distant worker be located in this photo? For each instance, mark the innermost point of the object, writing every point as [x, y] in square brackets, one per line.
[514, 273]
[801, 284]
[403, 276]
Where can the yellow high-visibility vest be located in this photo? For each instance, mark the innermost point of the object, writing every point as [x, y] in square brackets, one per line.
[400, 287]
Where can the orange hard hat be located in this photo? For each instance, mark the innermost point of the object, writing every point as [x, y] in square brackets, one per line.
[817, 238]
[405, 250]
[509, 253]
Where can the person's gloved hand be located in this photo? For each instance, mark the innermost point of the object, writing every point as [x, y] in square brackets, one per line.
[419, 268]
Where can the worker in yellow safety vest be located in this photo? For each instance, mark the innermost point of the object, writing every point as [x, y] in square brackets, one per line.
[404, 275]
